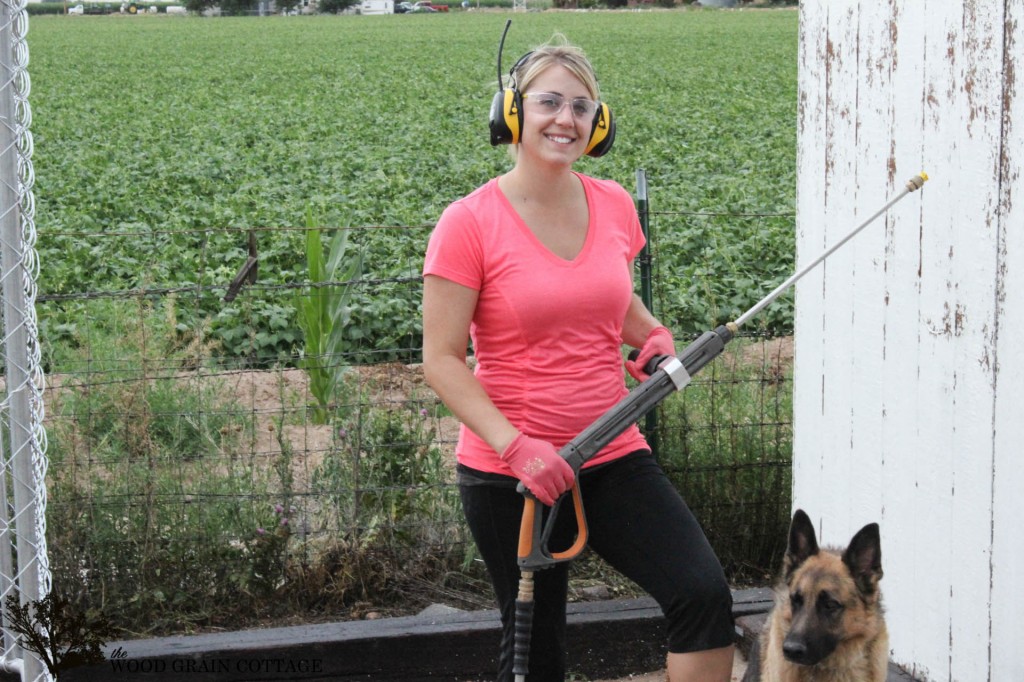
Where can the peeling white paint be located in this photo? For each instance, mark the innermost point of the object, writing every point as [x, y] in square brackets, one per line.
[909, 391]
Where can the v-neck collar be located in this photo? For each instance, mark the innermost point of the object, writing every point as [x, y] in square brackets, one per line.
[538, 244]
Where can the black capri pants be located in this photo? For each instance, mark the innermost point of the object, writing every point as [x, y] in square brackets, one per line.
[638, 523]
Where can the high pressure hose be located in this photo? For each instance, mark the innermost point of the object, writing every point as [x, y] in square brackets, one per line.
[524, 624]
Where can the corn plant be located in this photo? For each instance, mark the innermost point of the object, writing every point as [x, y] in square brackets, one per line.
[324, 311]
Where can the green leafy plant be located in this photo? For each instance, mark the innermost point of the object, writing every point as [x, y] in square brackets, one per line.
[383, 471]
[386, 498]
[324, 311]
[170, 206]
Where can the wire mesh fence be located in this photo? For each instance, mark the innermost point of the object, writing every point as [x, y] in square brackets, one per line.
[209, 470]
[727, 440]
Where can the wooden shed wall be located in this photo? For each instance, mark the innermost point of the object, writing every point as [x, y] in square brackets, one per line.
[909, 376]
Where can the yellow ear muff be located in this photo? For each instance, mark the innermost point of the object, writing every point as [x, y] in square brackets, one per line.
[602, 132]
[513, 114]
[506, 119]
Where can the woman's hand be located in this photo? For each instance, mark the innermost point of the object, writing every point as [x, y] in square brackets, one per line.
[539, 466]
[659, 342]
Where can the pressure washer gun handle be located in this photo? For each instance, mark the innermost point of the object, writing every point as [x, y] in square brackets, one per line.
[535, 530]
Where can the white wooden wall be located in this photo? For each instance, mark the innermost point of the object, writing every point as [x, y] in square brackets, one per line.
[909, 377]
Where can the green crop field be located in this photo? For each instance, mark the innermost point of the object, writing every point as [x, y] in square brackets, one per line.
[149, 124]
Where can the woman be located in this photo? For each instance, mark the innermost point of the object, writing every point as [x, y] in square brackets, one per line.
[536, 267]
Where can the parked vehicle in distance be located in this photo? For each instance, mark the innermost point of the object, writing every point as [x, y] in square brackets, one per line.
[377, 7]
[77, 9]
[427, 6]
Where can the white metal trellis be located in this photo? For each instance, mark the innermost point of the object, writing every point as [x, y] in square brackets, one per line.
[24, 568]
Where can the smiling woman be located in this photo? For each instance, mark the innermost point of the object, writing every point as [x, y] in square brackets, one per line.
[535, 269]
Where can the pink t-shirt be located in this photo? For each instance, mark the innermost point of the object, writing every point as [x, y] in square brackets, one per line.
[547, 332]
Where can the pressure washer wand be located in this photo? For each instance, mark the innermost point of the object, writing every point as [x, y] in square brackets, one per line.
[667, 375]
[912, 185]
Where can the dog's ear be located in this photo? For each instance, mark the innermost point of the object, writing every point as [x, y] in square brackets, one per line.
[864, 558]
[803, 543]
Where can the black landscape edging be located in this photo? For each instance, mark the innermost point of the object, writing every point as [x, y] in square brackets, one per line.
[606, 639]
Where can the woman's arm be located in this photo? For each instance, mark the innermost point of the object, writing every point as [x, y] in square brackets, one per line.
[447, 312]
[639, 323]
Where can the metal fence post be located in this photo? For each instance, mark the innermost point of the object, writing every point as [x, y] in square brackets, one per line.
[646, 286]
[23, 554]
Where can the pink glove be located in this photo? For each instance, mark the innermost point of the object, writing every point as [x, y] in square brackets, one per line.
[539, 466]
[658, 342]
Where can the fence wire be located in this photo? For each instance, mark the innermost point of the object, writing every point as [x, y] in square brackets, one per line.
[200, 480]
[24, 567]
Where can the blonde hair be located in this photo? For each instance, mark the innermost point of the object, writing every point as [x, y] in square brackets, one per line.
[557, 51]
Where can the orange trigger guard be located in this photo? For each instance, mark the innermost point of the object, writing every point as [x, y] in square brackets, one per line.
[530, 530]
[581, 527]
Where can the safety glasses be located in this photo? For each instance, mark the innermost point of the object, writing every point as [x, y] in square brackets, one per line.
[552, 103]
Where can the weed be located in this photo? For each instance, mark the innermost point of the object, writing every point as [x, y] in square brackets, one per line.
[383, 472]
[146, 485]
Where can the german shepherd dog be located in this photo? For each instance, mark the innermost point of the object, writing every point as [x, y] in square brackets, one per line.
[827, 621]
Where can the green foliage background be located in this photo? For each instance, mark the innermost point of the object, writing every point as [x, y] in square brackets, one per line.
[166, 127]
